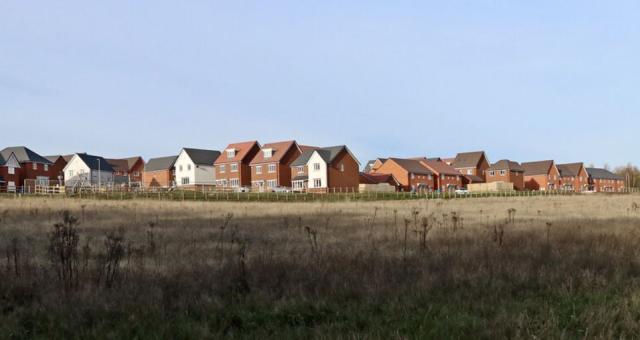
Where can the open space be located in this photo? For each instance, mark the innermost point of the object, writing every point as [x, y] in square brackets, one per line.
[518, 267]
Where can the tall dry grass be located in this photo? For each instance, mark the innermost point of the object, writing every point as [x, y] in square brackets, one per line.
[518, 267]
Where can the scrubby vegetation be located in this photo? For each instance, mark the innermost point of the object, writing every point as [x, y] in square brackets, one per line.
[535, 267]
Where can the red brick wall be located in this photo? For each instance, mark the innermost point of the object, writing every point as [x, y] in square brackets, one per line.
[607, 185]
[161, 178]
[349, 179]
[443, 183]
[517, 178]
[16, 177]
[407, 182]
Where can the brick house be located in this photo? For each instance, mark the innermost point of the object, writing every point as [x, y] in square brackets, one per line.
[34, 168]
[233, 169]
[159, 173]
[603, 180]
[271, 166]
[329, 169]
[373, 165]
[472, 165]
[541, 175]
[446, 177]
[57, 167]
[127, 171]
[194, 168]
[506, 171]
[373, 178]
[412, 174]
[574, 177]
[10, 173]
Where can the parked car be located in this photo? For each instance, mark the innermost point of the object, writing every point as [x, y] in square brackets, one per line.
[281, 189]
[242, 189]
[462, 191]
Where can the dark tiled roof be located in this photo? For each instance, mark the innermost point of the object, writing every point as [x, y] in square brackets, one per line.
[95, 162]
[328, 154]
[537, 168]
[599, 173]
[377, 178]
[474, 178]
[303, 158]
[369, 166]
[202, 157]
[242, 150]
[24, 154]
[506, 164]
[570, 169]
[279, 150]
[412, 166]
[118, 164]
[467, 159]
[160, 163]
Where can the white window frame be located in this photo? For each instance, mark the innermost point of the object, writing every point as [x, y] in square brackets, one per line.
[300, 169]
[258, 169]
[316, 166]
[234, 167]
[46, 167]
[272, 168]
[12, 170]
[234, 182]
[272, 183]
[221, 168]
[503, 172]
[34, 166]
[317, 182]
[184, 180]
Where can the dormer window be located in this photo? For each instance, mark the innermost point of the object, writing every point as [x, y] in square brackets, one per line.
[268, 153]
[231, 153]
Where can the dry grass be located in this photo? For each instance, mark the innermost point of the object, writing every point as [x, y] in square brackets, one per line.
[543, 267]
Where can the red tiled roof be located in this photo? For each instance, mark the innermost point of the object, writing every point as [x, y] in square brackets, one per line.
[242, 149]
[412, 166]
[279, 150]
[368, 178]
[537, 168]
[440, 168]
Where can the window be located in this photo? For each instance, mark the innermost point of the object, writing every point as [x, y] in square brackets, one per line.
[234, 182]
[12, 170]
[35, 166]
[258, 169]
[272, 183]
[272, 168]
[429, 177]
[492, 173]
[136, 174]
[221, 182]
[180, 168]
[189, 167]
[301, 169]
[503, 172]
[70, 173]
[231, 153]
[234, 167]
[185, 180]
[341, 167]
[268, 153]
[46, 167]
[469, 172]
[442, 177]
[222, 168]
[317, 183]
[316, 166]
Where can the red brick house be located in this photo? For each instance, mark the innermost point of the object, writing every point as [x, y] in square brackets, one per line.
[373, 178]
[506, 171]
[159, 173]
[447, 178]
[603, 180]
[329, 169]
[34, 168]
[472, 165]
[271, 166]
[574, 177]
[10, 173]
[57, 167]
[412, 174]
[232, 168]
[127, 171]
[541, 175]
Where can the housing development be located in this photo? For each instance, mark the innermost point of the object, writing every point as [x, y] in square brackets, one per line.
[287, 166]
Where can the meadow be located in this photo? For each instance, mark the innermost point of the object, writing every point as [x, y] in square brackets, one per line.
[496, 267]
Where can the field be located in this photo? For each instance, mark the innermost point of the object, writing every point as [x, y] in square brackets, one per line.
[518, 267]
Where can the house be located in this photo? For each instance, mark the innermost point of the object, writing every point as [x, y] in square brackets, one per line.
[330, 169]
[127, 171]
[194, 168]
[506, 171]
[574, 177]
[412, 174]
[35, 168]
[10, 172]
[84, 170]
[446, 177]
[159, 172]
[56, 169]
[372, 182]
[541, 175]
[373, 165]
[472, 165]
[271, 166]
[603, 180]
[233, 168]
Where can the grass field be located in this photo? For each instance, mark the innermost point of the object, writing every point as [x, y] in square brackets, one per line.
[519, 267]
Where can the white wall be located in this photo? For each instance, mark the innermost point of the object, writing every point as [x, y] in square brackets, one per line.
[81, 172]
[314, 174]
[185, 162]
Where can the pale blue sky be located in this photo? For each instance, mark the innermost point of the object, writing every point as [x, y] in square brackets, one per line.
[525, 80]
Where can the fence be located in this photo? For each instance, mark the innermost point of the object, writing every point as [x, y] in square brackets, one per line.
[337, 196]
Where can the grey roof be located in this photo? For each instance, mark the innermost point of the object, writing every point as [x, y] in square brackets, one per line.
[570, 169]
[95, 162]
[537, 168]
[160, 163]
[201, 156]
[2, 160]
[505, 164]
[370, 163]
[328, 154]
[52, 158]
[468, 159]
[24, 154]
[599, 173]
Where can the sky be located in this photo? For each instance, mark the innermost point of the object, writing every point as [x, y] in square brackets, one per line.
[523, 80]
